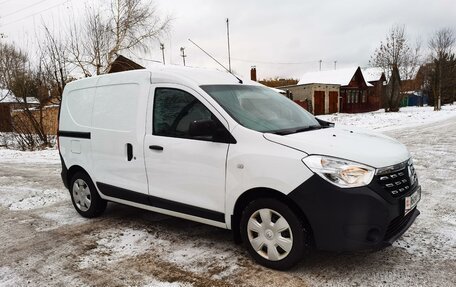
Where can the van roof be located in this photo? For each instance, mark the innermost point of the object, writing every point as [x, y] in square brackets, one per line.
[199, 76]
[173, 74]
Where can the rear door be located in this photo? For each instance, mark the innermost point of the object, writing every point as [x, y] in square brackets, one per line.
[185, 174]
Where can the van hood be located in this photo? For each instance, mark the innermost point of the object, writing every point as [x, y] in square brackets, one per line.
[362, 146]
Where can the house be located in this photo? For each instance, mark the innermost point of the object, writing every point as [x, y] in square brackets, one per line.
[376, 92]
[343, 90]
[317, 98]
[412, 81]
[8, 103]
[412, 84]
[122, 64]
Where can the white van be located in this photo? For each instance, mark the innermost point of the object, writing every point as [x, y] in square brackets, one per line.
[205, 146]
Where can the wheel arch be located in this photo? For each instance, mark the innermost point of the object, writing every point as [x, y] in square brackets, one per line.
[72, 171]
[263, 192]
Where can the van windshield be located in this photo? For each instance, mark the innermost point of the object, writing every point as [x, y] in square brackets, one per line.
[262, 109]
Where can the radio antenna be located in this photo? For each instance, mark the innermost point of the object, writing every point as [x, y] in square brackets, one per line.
[210, 56]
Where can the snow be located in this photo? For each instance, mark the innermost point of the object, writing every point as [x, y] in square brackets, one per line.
[8, 97]
[191, 257]
[47, 156]
[10, 278]
[156, 283]
[30, 198]
[336, 77]
[372, 74]
[407, 117]
[64, 215]
[116, 244]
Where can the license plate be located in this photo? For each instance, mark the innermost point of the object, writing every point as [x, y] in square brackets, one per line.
[412, 200]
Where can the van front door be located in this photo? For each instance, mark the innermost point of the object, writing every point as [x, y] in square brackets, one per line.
[185, 174]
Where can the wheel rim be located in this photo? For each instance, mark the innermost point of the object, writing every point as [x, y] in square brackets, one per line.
[270, 234]
[81, 195]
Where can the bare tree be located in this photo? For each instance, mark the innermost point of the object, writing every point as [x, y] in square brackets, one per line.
[53, 64]
[18, 77]
[441, 45]
[396, 53]
[127, 25]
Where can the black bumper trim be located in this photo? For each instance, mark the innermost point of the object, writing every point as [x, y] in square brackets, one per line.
[399, 226]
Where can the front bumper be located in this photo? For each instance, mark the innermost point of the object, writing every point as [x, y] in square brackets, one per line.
[351, 218]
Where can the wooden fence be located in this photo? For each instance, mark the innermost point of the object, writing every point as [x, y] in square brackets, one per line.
[50, 119]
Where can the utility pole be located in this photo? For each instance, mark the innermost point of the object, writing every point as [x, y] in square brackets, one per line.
[335, 65]
[320, 64]
[439, 101]
[162, 48]
[228, 37]
[182, 49]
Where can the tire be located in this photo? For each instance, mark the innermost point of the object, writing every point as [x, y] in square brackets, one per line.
[85, 197]
[274, 236]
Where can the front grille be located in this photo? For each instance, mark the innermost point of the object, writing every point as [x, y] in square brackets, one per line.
[397, 225]
[398, 181]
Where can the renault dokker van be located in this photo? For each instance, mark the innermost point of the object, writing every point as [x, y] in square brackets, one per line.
[205, 146]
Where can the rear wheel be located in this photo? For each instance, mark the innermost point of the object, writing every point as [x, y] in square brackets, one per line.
[274, 235]
[85, 197]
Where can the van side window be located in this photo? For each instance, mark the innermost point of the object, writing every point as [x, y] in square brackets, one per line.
[174, 110]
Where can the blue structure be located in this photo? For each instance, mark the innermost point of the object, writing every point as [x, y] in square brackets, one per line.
[416, 98]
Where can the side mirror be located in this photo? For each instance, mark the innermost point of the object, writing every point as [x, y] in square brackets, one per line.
[202, 128]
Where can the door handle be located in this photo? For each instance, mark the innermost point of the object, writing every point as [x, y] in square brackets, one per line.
[129, 151]
[156, 147]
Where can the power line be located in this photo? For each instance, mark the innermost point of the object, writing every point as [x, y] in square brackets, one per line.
[39, 12]
[25, 8]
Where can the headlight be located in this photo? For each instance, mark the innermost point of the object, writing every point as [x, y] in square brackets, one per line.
[340, 172]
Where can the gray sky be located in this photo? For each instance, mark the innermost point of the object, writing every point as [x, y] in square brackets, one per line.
[281, 38]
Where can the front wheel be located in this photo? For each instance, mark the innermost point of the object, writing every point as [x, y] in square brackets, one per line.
[274, 235]
[85, 197]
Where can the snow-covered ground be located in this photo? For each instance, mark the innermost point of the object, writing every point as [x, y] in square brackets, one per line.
[47, 156]
[379, 120]
[46, 243]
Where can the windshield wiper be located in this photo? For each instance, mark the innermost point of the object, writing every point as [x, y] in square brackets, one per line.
[282, 132]
[309, 128]
[295, 130]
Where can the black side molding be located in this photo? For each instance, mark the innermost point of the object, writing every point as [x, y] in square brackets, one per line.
[159, 202]
[72, 134]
